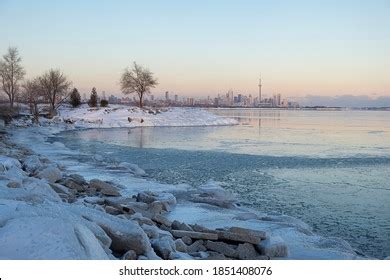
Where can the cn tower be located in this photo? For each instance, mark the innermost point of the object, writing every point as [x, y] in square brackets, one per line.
[259, 91]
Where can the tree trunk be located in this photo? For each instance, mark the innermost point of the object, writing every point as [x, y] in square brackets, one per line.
[36, 114]
[140, 102]
[11, 101]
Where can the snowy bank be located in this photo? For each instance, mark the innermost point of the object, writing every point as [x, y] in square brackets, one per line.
[116, 116]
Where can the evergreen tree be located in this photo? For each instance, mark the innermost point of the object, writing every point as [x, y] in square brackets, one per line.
[93, 99]
[75, 98]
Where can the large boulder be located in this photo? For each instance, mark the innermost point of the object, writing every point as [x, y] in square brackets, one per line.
[125, 234]
[51, 173]
[46, 238]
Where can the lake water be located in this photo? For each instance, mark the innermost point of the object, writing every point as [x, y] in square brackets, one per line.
[330, 169]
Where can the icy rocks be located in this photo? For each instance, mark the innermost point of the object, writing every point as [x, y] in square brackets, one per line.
[7, 163]
[164, 247]
[223, 248]
[48, 238]
[104, 187]
[180, 246]
[246, 251]
[167, 199]
[133, 168]
[125, 234]
[51, 174]
[238, 237]
[14, 184]
[249, 232]
[195, 234]
[181, 226]
[213, 194]
[273, 247]
[32, 163]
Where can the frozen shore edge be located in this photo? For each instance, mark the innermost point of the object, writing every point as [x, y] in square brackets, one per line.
[92, 220]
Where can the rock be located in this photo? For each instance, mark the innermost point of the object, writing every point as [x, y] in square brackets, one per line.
[133, 168]
[273, 247]
[151, 231]
[78, 179]
[163, 247]
[180, 256]
[181, 226]
[197, 246]
[48, 238]
[236, 237]
[142, 220]
[60, 189]
[72, 184]
[125, 234]
[223, 248]
[91, 191]
[162, 220]
[112, 210]
[14, 184]
[154, 232]
[94, 200]
[32, 163]
[146, 197]
[7, 163]
[156, 207]
[187, 240]
[149, 197]
[246, 251]
[51, 174]
[129, 255]
[250, 232]
[194, 234]
[200, 228]
[180, 246]
[104, 187]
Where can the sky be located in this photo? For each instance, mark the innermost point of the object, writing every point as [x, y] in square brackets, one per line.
[200, 48]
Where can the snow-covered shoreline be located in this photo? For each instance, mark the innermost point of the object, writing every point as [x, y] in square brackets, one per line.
[208, 206]
[116, 116]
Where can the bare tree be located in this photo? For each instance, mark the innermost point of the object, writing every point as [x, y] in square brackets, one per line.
[137, 80]
[54, 86]
[11, 73]
[31, 94]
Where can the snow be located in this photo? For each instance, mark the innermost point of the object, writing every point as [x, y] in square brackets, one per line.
[116, 116]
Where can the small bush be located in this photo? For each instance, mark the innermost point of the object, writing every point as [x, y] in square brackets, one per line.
[103, 103]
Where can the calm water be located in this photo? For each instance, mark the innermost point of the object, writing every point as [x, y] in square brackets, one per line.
[330, 169]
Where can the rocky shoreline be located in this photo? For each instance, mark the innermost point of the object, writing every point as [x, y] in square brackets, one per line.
[68, 217]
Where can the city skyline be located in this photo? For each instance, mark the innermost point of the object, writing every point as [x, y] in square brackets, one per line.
[204, 49]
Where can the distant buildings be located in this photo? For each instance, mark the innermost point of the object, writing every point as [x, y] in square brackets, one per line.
[229, 99]
[226, 100]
